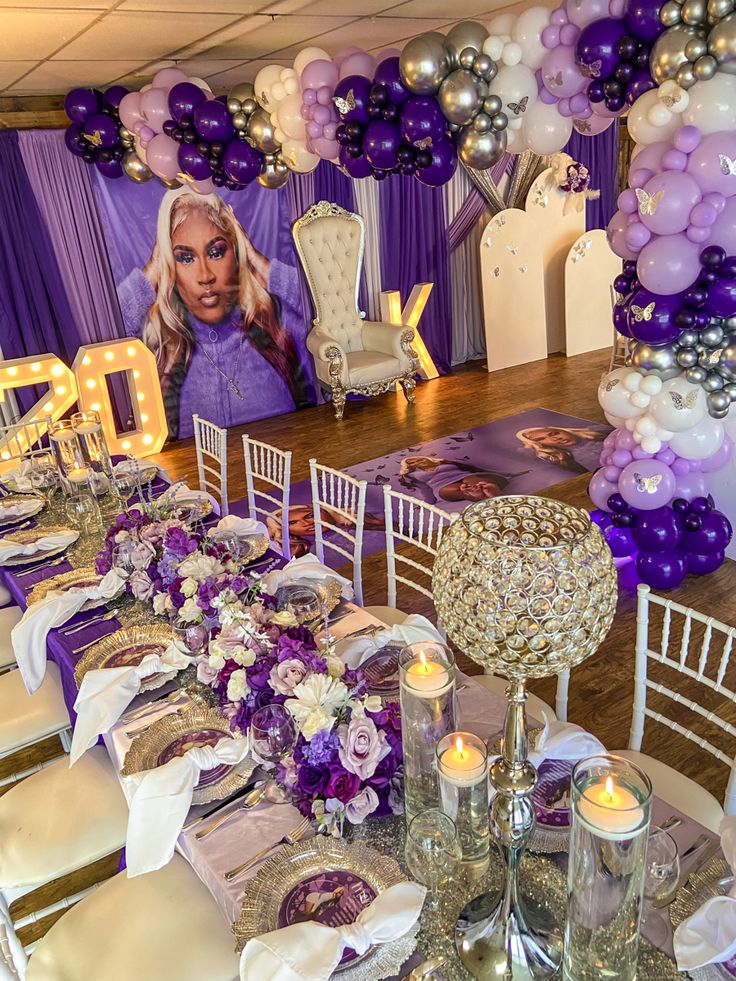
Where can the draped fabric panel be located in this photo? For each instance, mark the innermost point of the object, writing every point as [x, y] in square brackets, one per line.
[35, 315]
[600, 155]
[366, 204]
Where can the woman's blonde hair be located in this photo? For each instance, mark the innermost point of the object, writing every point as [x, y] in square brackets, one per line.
[167, 331]
[550, 452]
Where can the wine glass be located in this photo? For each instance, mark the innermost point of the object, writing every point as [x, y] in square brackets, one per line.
[122, 555]
[272, 732]
[432, 851]
[44, 476]
[124, 484]
[304, 603]
[228, 541]
[191, 637]
[83, 512]
[661, 874]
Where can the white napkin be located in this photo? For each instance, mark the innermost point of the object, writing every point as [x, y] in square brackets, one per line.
[306, 567]
[10, 550]
[136, 466]
[413, 630]
[564, 741]
[20, 508]
[160, 802]
[240, 526]
[21, 476]
[106, 692]
[312, 951]
[185, 495]
[709, 935]
[29, 635]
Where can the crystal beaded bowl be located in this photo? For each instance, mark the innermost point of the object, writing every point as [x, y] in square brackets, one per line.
[525, 586]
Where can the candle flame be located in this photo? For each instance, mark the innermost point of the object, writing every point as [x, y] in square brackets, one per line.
[609, 787]
[459, 746]
[423, 660]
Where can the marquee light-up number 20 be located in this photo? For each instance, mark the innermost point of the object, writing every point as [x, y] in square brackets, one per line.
[86, 384]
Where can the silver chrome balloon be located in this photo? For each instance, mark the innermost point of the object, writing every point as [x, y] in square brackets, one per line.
[424, 63]
[458, 97]
[484, 66]
[722, 44]
[687, 358]
[694, 12]
[500, 121]
[466, 58]
[480, 150]
[135, 169]
[668, 52]
[671, 13]
[712, 335]
[492, 104]
[482, 123]
[466, 34]
[705, 68]
[656, 357]
[718, 404]
[696, 375]
[261, 132]
[713, 382]
[685, 76]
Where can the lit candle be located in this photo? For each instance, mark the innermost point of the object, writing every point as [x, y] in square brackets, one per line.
[78, 476]
[462, 763]
[610, 810]
[427, 678]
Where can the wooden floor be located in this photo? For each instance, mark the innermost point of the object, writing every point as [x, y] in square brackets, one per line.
[601, 688]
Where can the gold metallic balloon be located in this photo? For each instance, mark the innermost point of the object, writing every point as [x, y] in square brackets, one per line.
[694, 12]
[705, 68]
[722, 44]
[249, 106]
[274, 174]
[135, 169]
[480, 150]
[466, 34]
[459, 98]
[424, 63]
[695, 48]
[240, 120]
[261, 132]
[668, 52]
[242, 92]
[126, 137]
[234, 106]
[718, 9]
[671, 13]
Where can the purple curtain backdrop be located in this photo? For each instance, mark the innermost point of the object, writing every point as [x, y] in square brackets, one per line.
[475, 205]
[600, 156]
[414, 250]
[35, 315]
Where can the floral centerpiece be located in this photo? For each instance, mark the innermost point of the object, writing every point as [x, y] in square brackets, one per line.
[347, 761]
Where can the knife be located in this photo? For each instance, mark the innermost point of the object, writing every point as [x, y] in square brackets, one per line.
[685, 877]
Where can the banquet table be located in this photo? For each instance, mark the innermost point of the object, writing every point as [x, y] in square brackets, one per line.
[481, 712]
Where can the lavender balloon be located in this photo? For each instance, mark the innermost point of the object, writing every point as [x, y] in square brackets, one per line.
[705, 165]
[670, 197]
[668, 264]
[647, 484]
[561, 74]
[600, 489]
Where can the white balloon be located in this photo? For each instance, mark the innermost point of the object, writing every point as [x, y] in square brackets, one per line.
[201, 84]
[701, 441]
[292, 85]
[265, 78]
[502, 24]
[679, 406]
[307, 55]
[513, 84]
[289, 117]
[515, 142]
[511, 53]
[614, 396]
[286, 74]
[276, 93]
[514, 124]
[545, 130]
[659, 114]
[527, 32]
[712, 105]
[669, 90]
[616, 421]
[298, 158]
[493, 47]
[641, 129]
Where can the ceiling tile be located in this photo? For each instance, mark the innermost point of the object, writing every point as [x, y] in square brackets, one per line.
[11, 70]
[445, 9]
[241, 7]
[53, 77]
[379, 32]
[355, 8]
[145, 35]
[72, 5]
[265, 35]
[35, 34]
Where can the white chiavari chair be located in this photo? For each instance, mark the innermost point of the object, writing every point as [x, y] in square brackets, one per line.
[267, 465]
[211, 445]
[22, 441]
[338, 504]
[692, 653]
[132, 928]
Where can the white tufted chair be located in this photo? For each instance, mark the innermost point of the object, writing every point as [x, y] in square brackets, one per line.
[350, 354]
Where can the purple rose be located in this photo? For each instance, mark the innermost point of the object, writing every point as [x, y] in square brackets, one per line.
[363, 804]
[259, 674]
[362, 746]
[384, 772]
[141, 585]
[343, 785]
[142, 555]
[312, 779]
[286, 675]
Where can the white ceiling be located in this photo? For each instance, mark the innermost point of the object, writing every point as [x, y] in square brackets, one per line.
[49, 46]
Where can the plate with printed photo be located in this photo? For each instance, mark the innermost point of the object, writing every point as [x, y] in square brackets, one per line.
[381, 670]
[329, 881]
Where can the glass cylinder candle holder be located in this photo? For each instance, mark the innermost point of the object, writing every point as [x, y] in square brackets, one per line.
[427, 686]
[88, 427]
[611, 810]
[462, 769]
[67, 454]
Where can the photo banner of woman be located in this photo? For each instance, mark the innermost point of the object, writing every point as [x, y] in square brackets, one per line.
[210, 284]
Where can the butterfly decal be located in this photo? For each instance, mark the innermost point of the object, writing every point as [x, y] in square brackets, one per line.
[553, 79]
[518, 107]
[251, 142]
[523, 269]
[682, 402]
[424, 144]
[513, 249]
[648, 485]
[264, 100]
[346, 104]
[610, 385]
[728, 166]
[497, 272]
[593, 70]
[648, 203]
[583, 126]
[94, 138]
[670, 100]
[711, 359]
[620, 299]
[642, 313]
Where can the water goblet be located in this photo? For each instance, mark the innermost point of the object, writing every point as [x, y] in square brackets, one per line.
[191, 636]
[44, 476]
[83, 512]
[661, 874]
[228, 541]
[273, 733]
[124, 485]
[122, 555]
[304, 603]
[432, 851]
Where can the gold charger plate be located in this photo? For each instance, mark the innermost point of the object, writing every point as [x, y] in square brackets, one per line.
[173, 735]
[127, 647]
[32, 535]
[147, 471]
[11, 499]
[328, 590]
[85, 576]
[257, 546]
[345, 877]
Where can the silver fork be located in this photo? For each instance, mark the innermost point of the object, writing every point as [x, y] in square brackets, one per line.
[100, 618]
[296, 834]
[669, 824]
[696, 846]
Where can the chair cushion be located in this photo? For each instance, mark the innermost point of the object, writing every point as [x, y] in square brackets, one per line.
[9, 616]
[387, 614]
[678, 790]
[537, 708]
[24, 718]
[61, 819]
[5, 597]
[365, 367]
[164, 926]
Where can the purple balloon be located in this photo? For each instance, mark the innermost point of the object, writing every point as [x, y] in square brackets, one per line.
[714, 535]
[443, 166]
[213, 124]
[668, 264]
[361, 89]
[381, 144]
[79, 104]
[387, 73]
[661, 570]
[422, 119]
[113, 96]
[241, 162]
[193, 163]
[357, 167]
[721, 300]
[651, 317]
[647, 484]
[702, 565]
[184, 99]
[109, 168]
[74, 141]
[620, 541]
[621, 318]
[561, 74]
[600, 489]
[641, 18]
[103, 131]
[659, 530]
[596, 47]
[640, 83]
[677, 194]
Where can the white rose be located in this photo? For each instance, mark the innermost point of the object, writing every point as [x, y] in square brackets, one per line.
[237, 686]
[159, 604]
[216, 661]
[284, 618]
[244, 656]
[189, 587]
[200, 566]
[335, 667]
[190, 611]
